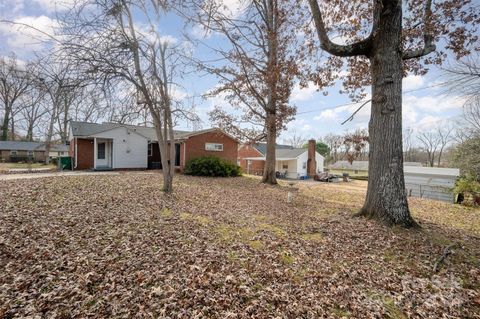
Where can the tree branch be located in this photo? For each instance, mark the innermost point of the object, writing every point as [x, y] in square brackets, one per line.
[358, 48]
[428, 44]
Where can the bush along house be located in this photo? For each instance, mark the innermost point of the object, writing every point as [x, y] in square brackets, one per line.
[110, 146]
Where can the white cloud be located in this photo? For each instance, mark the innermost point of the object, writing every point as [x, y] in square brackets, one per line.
[434, 104]
[413, 82]
[231, 8]
[177, 94]
[327, 115]
[13, 7]
[169, 39]
[54, 5]
[28, 31]
[303, 94]
[198, 31]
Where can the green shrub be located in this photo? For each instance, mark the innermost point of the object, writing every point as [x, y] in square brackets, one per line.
[211, 166]
[467, 184]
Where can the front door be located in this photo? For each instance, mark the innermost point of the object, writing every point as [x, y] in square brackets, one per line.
[103, 154]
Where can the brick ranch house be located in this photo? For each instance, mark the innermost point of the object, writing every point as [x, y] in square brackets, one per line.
[119, 146]
[290, 162]
[19, 151]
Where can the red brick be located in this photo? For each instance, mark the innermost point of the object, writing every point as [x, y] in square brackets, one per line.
[256, 167]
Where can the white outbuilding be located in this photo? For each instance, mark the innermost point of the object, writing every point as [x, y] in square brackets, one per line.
[431, 182]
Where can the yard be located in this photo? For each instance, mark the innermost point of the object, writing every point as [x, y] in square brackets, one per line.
[116, 246]
[4, 167]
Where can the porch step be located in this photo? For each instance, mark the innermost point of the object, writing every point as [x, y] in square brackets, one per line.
[102, 169]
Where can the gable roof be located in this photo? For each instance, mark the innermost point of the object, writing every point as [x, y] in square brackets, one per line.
[363, 165]
[19, 146]
[262, 147]
[86, 129]
[289, 153]
[30, 146]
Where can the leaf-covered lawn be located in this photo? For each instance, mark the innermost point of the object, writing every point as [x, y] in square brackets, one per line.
[116, 246]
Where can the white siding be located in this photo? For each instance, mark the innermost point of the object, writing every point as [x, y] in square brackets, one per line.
[430, 186]
[320, 159]
[129, 148]
[291, 170]
[301, 163]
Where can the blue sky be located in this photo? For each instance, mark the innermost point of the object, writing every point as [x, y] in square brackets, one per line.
[423, 109]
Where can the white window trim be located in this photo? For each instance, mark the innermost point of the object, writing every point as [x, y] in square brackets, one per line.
[13, 152]
[213, 147]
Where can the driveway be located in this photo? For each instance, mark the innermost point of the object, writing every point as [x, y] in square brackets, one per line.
[6, 177]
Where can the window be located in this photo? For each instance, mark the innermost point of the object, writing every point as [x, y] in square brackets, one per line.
[61, 153]
[30, 153]
[150, 148]
[285, 166]
[214, 147]
[101, 151]
[13, 153]
[177, 154]
[304, 165]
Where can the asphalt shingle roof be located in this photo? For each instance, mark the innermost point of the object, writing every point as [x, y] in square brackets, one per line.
[262, 147]
[30, 146]
[289, 153]
[89, 129]
[19, 146]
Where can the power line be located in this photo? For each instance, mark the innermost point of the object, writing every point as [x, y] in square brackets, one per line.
[365, 101]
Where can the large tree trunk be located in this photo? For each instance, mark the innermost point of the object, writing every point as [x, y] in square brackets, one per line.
[48, 140]
[386, 198]
[30, 132]
[269, 169]
[6, 122]
[12, 130]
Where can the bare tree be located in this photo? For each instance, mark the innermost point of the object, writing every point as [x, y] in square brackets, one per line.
[445, 135]
[383, 42]
[14, 82]
[355, 144]
[33, 111]
[105, 40]
[407, 144]
[334, 142]
[430, 142]
[295, 139]
[258, 72]
[57, 77]
[464, 76]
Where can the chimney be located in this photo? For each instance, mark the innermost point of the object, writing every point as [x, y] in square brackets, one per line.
[311, 162]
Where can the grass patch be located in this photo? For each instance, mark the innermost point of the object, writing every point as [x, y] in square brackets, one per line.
[337, 311]
[286, 258]
[391, 310]
[166, 213]
[315, 237]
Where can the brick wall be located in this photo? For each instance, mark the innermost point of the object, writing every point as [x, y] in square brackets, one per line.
[311, 162]
[256, 167]
[85, 153]
[195, 147]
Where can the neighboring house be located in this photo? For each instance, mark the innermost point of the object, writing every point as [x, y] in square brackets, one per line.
[294, 162]
[17, 151]
[121, 146]
[358, 167]
[431, 182]
[58, 150]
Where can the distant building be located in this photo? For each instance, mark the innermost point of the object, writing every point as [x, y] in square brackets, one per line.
[361, 166]
[425, 182]
[18, 151]
[290, 162]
